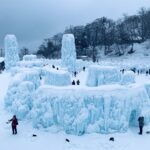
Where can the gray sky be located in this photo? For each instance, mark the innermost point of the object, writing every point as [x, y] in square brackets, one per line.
[33, 20]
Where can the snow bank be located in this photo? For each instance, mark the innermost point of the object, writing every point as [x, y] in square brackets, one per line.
[29, 57]
[128, 77]
[80, 111]
[98, 75]
[68, 52]
[11, 51]
[56, 77]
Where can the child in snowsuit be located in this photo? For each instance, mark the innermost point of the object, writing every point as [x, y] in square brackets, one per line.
[14, 123]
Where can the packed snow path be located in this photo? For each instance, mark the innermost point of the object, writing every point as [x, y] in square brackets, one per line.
[52, 139]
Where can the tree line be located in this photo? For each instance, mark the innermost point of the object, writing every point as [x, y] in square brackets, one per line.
[103, 33]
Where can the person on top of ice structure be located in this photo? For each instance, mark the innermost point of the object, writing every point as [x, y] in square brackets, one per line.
[73, 82]
[78, 82]
[75, 73]
[141, 124]
[83, 68]
[14, 123]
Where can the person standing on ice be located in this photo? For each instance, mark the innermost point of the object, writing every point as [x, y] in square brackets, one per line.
[141, 124]
[14, 123]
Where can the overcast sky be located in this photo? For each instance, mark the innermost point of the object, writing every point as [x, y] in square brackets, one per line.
[33, 20]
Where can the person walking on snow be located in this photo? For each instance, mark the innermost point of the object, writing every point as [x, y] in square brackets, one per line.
[141, 124]
[14, 123]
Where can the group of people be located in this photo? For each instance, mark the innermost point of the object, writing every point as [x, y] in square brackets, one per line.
[147, 72]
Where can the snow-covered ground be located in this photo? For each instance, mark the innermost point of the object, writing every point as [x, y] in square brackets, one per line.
[51, 138]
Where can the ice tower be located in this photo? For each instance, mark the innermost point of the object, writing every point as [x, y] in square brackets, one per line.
[68, 52]
[11, 51]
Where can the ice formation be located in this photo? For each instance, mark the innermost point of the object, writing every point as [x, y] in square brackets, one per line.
[128, 77]
[19, 98]
[68, 52]
[42, 95]
[11, 51]
[56, 77]
[80, 111]
[98, 75]
[19, 94]
[29, 57]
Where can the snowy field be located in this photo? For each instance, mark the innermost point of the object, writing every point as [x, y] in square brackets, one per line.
[52, 138]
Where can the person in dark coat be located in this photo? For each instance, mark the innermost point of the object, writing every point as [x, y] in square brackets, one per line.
[75, 73]
[73, 82]
[53, 66]
[141, 124]
[78, 82]
[83, 68]
[14, 123]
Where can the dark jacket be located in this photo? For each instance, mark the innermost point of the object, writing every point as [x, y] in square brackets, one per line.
[14, 121]
[141, 121]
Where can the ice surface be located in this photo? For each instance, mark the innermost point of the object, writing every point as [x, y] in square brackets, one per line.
[68, 52]
[11, 51]
[98, 75]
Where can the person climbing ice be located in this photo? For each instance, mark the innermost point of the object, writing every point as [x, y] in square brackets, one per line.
[14, 123]
[141, 124]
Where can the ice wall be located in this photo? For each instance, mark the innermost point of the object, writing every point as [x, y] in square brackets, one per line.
[56, 77]
[29, 57]
[68, 52]
[80, 111]
[128, 77]
[18, 99]
[98, 75]
[11, 51]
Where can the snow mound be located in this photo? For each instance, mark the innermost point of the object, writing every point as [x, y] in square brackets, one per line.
[128, 77]
[11, 51]
[29, 57]
[98, 75]
[68, 52]
[56, 77]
